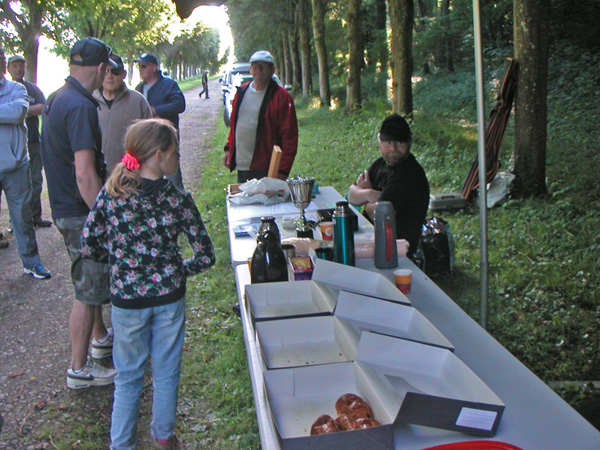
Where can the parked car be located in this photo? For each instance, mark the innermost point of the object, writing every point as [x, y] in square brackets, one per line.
[227, 79]
[236, 81]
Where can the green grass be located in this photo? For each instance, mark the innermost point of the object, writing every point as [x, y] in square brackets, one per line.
[543, 253]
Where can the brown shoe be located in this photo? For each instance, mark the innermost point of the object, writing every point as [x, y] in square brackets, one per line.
[168, 444]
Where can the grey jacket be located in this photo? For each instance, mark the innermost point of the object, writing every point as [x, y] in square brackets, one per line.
[127, 107]
[14, 104]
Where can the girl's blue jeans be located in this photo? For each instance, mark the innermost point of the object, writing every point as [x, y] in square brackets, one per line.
[156, 332]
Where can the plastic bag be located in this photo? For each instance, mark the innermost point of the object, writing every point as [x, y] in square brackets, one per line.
[266, 190]
[436, 250]
[499, 188]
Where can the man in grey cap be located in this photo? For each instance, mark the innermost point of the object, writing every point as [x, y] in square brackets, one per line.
[16, 68]
[75, 171]
[165, 98]
[396, 177]
[119, 108]
[263, 116]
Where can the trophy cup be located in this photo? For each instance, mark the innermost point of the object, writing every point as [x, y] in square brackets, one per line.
[301, 192]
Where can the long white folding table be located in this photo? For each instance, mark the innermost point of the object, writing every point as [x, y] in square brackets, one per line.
[241, 248]
[535, 418]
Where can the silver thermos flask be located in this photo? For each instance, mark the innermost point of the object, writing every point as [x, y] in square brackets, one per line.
[386, 253]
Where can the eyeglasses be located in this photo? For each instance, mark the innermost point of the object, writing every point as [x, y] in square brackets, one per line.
[115, 71]
[143, 66]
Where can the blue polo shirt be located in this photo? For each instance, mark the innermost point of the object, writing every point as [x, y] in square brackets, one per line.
[33, 123]
[70, 123]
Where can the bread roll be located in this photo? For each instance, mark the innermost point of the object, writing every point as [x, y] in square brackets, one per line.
[323, 425]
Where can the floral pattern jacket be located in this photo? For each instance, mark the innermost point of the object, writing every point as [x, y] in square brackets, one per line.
[138, 235]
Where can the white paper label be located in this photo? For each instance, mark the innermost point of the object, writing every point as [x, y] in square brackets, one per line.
[476, 418]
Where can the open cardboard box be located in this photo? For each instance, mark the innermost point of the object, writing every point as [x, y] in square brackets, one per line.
[298, 396]
[339, 277]
[268, 301]
[329, 339]
[402, 381]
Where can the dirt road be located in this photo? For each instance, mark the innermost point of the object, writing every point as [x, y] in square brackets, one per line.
[34, 314]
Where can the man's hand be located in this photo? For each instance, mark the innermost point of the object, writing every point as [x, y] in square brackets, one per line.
[88, 181]
[226, 159]
[363, 181]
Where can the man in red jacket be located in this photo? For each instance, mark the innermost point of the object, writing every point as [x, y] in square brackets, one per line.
[263, 116]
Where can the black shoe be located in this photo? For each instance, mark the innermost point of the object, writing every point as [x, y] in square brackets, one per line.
[42, 223]
[236, 310]
[3, 244]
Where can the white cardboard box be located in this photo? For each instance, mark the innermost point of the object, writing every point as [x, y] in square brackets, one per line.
[402, 381]
[359, 281]
[268, 301]
[434, 387]
[329, 339]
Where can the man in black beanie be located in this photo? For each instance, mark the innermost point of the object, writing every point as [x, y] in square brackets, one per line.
[396, 177]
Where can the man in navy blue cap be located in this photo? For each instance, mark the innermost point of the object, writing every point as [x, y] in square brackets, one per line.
[75, 172]
[396, 177]
[164, 95]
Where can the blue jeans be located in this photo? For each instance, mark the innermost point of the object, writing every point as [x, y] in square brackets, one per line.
[157, 332]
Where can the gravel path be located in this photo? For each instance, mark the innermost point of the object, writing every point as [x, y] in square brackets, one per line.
[34, 314]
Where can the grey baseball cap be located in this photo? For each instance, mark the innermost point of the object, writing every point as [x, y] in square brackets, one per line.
[262, 56]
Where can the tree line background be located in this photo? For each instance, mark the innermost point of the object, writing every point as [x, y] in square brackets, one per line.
[130, 28]
[359, 49]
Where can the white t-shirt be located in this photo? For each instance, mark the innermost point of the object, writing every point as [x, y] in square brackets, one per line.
[246, 124]
[146, 87]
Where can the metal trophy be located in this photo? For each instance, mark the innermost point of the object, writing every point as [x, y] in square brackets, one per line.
[301, 192]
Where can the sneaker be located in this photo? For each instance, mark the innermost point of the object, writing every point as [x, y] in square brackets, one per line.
[39, 272]
[90, 375]
[168, 444]
[103, 348]
[42, 223]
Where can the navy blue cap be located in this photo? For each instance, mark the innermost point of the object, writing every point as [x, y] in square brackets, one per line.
[147, 58]
[92, 52]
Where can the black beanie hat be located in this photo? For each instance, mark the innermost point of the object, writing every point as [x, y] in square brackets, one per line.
[395, 128]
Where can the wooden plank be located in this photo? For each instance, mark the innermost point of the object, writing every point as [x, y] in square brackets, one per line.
[275, 161]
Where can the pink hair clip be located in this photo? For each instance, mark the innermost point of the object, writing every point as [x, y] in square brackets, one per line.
[130, 161]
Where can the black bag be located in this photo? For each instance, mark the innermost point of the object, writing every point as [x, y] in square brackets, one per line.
[436, 248]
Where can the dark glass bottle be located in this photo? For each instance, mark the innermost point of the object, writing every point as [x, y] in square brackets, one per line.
[343, 235]
[268, 223]
[268, 263]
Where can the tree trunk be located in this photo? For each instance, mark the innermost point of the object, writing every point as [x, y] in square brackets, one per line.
[287, 60]
[401, 14]
[355, 57]
[531, 21]
[295, 55]
[318, 20]
[29, 33]
[302, 16]
[448, 44]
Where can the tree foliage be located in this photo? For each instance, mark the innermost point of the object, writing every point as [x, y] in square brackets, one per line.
[128, 27]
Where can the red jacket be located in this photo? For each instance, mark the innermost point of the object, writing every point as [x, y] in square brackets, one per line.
[277, 125]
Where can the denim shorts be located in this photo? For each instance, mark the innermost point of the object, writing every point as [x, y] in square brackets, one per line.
[90, 279]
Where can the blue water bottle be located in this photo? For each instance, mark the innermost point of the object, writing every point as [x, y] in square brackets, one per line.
[343, 235]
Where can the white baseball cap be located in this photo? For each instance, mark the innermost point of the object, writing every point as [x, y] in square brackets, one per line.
[262, 56]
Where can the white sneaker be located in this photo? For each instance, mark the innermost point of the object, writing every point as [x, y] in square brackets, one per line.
[90, 375]
[101, 350]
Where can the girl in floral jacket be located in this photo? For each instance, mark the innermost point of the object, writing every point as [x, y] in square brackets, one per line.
[134, 226]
